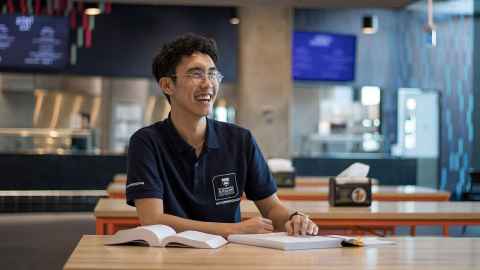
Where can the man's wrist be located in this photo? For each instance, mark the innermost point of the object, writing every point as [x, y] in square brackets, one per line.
[297, 213]
[232, 228]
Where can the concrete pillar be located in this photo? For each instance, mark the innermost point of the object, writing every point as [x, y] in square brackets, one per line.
[264, 76]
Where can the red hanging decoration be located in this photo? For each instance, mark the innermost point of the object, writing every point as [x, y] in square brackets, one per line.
[80, 6]
[73, 19]
[23, 7]
[85, 21]
[38, 7]
[56, 7]
[49, 7]
[63, 5]
[10, 6]
[108, 7]
[88, 38]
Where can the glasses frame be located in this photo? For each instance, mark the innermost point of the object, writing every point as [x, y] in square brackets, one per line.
[200, 76]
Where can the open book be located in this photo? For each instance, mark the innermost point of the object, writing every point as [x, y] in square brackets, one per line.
[163, 235]
[283, 241]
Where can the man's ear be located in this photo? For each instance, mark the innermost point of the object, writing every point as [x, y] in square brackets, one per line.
[167, 85]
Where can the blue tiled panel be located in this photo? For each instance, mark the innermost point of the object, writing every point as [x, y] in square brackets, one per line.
[449, 70]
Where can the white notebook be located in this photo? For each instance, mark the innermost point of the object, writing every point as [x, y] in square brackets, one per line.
[285, 242]
[163, 235]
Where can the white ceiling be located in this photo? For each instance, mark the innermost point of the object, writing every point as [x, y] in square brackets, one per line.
[293, 3]
[458, 7]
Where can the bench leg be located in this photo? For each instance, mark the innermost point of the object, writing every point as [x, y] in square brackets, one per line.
[110, 228]
[445, 230]
[413, 230]
[99, 227]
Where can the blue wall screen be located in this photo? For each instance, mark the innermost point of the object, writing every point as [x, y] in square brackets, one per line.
[320, 56]
[33, 42]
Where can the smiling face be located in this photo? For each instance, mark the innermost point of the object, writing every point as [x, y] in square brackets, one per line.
[190, 94]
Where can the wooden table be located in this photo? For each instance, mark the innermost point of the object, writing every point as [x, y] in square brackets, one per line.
[318, 181]
[53, 193]
[320, 193]
[315, 181]
[304, 181]
[418, 253]
[116, 190]
[379, 193]
[112, 214]
[120, 178]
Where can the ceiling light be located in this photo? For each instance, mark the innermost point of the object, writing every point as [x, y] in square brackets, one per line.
[92, 11]
[234, 20]
[369, 24]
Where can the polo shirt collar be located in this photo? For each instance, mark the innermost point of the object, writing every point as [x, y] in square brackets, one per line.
[211, 136]
[180, 144]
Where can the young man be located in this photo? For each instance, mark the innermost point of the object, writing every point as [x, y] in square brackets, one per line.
[188, 171]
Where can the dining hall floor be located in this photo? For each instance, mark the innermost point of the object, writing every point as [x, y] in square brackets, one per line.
[45, 240]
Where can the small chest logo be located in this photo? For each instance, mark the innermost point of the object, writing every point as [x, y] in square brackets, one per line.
[225, 187]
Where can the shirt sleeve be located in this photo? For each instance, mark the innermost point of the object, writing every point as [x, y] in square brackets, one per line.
[260, 182]
[143, 179]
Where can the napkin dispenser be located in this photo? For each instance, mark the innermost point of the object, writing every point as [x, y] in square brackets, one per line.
[284, 179]
[283, 172]
[350, 191]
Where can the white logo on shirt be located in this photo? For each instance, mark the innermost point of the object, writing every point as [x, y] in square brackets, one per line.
[225, 188]
[225, 182]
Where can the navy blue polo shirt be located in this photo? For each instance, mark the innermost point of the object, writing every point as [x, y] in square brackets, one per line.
[161, 164]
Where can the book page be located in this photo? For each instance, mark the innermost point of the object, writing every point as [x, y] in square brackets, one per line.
[195, 239]
[160, 230]
[151, 235]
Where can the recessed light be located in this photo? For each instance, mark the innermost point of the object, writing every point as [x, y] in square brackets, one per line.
[92, 11]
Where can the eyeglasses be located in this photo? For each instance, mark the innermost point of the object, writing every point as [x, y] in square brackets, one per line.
[199, 76]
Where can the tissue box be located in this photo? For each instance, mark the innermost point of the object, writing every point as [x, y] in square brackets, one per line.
[347, 191]
[284, 179]
[283, 172]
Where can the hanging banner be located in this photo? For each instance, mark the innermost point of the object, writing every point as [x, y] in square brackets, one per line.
[49, 7]
[73, 54]
[80, 6]
[80, 37]
[73, 19]
[38, 7]
[30, 7]
[108, 7]
[91, 22]
[56, 6]
[23, 7]
[11, 8]
[88, 38]
[85, 21]
[69, 7]
[101, 6]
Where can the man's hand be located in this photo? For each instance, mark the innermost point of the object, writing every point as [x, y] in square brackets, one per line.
[254, 225]
[301, 225]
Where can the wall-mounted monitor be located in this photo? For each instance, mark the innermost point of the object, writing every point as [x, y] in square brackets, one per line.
[33, 43]
[318, 56]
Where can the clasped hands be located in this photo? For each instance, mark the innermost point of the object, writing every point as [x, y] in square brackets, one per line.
[297, 225]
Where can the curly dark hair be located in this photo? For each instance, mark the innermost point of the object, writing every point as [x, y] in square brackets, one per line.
[166, 61]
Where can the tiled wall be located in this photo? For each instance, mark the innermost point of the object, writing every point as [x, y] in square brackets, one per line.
[448, 68]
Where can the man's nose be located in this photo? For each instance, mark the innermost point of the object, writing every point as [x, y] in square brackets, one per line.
[207, 82]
